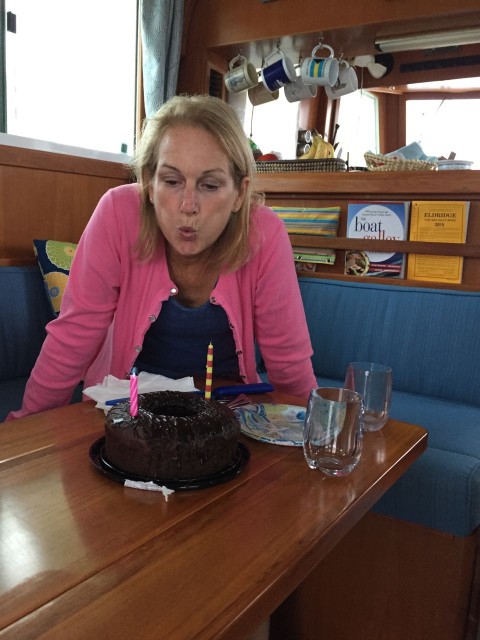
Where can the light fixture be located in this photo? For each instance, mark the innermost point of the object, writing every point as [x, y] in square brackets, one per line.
[375, 69]
[434, 40]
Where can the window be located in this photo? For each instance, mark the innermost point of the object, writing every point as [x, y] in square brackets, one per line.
[71, 72]
[272, 126]
[359, 130]
[445, 125]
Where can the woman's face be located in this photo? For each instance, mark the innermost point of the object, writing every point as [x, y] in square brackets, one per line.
[193, 190]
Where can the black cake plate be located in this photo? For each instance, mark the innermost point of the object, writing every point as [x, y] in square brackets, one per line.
[100, 462]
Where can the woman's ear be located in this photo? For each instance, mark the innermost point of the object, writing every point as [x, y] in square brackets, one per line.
[242, 190]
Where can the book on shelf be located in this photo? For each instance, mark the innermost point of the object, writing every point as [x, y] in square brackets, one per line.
[307, 258]
[376, 221]
[438, 221]
[310, 221]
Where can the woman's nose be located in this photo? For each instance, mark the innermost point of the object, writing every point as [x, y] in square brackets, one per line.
[189, 201]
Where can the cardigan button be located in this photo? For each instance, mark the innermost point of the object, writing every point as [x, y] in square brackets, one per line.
[173, 291]
[213, 300]
[152, 318]
[239, 353]
[138, 348]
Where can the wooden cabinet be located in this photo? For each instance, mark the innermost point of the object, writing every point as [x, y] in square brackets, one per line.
[338, 189]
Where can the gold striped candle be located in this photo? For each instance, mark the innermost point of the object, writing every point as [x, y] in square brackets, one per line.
[208, 379]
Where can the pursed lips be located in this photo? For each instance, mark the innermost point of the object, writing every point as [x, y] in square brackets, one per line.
[188, 233]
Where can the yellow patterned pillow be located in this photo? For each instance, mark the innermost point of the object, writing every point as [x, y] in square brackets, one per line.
[54, 259]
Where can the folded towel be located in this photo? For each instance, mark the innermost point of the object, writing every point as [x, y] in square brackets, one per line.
[112, 387]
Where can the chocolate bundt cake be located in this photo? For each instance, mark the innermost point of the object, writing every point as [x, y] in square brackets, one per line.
[175, 435]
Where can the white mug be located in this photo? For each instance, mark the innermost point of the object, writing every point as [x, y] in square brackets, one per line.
[260, 95]
[320, 71]
[347, 82]
[242, 75]
[298, 90]
[278, 71]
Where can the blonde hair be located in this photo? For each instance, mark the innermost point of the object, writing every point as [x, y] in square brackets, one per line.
[231, 250]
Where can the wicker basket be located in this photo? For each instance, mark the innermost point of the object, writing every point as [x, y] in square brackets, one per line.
[377, 162]
[325, 164]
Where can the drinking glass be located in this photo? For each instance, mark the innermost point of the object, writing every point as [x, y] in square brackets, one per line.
[374, 383]
[332, 433]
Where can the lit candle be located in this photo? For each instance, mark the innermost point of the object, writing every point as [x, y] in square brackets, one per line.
[208, 379]
[133, 392]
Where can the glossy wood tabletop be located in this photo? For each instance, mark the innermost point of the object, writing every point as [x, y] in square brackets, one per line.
[82, 557]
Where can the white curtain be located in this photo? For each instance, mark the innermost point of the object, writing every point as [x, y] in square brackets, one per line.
[162, 22]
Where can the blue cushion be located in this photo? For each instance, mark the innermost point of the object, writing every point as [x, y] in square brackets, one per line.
[441, 490]
[419, 332]
[24, 312]
[11, 395]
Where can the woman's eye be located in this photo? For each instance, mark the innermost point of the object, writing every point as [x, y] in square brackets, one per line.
[171, 181]
[209, 186]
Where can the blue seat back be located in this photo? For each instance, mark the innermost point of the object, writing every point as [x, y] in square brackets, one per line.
[24, 312]
[430, 337]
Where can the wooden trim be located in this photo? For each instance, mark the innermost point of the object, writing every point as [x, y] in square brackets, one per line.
[50, 161]
[18, 262]
[388, 246]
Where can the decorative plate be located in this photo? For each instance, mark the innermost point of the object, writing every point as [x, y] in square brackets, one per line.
[100, 462]
[273, 423]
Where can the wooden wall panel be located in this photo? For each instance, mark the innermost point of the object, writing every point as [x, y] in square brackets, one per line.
[48, 196]
[386, 579]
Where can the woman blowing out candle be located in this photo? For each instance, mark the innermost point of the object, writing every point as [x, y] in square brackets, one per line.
[186, 255]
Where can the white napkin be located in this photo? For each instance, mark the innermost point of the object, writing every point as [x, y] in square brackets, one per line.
[149, 486]
[112, 388]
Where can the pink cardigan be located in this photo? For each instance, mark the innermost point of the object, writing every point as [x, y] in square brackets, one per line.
[112, 298]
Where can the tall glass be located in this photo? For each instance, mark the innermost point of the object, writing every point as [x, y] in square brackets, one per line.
[374, 382]
[332, 433]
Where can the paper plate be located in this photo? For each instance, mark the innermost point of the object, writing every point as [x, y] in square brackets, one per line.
[273, 423]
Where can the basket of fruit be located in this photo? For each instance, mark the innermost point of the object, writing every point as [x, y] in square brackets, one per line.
[378, 162]
[318, 157]
[322, 164]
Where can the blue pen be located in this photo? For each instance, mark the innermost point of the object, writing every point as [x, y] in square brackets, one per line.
[112, 403]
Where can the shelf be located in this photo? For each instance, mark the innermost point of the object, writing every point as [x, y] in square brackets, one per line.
[340, 188]
[388, 246]
[387, 185]
[398, 282]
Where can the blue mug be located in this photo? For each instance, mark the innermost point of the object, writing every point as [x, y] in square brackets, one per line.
[279, 72]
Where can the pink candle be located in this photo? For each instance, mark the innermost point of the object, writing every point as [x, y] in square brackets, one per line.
[208, 379]
[133, 392]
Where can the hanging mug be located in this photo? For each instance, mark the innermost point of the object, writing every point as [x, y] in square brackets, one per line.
[260, 95]
[298, 90]
[242, 75]
[320, 71]
[278, 71]
[346, 83]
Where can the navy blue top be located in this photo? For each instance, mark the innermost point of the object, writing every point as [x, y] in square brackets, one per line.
[176, 344]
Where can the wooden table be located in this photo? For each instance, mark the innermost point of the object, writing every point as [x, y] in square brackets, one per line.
[83, 557]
